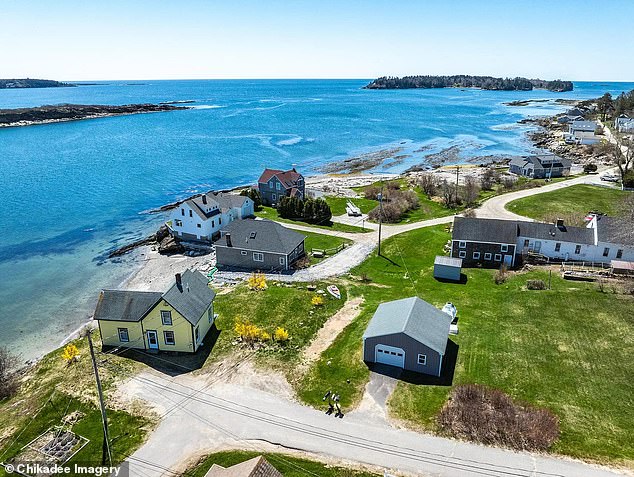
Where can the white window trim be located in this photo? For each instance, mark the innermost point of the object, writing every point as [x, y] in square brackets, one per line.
[127, 334]
[462, 254]
[259, 255]
[462, 244]
[282, 260]
[277, 186]
[423, 358]
[476, 255]
[243, 252]
[166, 313]
[577, 249]
[169, 343]
[487, 256]
[504, 248]
[498, 257]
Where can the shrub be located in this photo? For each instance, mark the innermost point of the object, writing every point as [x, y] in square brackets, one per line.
[250, 333]
[489, 416]
[535, 285]
[501, 275]
[317, 300]
[253, 194]
[508, 182]
[70, 353]
[257, 282]
[281, 334]
[628, 180]
[8, 378]
[489, 177]
[470, 191]
[428, 184]
[315, 211]
[590, 167]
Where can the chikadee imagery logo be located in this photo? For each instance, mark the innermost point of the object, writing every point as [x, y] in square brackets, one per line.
[38, 468]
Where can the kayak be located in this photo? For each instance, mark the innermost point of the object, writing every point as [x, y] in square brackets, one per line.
[334, 291]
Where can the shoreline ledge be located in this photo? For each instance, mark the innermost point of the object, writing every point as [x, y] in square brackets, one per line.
[74, 112]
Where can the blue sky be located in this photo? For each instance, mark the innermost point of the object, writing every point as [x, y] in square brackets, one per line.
[159, 39]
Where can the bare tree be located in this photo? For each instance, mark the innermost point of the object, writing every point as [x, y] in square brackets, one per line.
[448, 194]
[470, 191]
[428, 184]
[489, 177]
[623, 156]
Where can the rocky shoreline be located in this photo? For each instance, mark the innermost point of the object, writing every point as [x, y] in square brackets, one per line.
[73, 112]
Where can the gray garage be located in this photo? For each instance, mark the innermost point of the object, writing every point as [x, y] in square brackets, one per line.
[447, 268]
[410, 334]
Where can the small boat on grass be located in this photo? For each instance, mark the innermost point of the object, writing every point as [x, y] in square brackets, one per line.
[334, 291]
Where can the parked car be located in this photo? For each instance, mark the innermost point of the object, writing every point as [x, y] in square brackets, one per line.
[610, 178]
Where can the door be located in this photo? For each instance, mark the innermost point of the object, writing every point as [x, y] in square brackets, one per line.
[508, 260]
[389, 355]
[538, 246]
[152, 339]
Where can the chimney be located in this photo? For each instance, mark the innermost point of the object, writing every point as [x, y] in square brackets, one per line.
[204, 197]
[228, 238]
[560, 223]
[179, 282]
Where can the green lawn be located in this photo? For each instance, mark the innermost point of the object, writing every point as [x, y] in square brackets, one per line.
[573, 203]
[338, 204]
[271, 213]
[51, 390]
[322, 242]
[289, 466]
[568, 349]
[285, 305]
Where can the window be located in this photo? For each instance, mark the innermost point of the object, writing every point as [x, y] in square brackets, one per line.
[219, 220]
[183, 212]
[462, 254]
[166, 317]
[487, 256]
[282, 260]
[577, 249]
[190, 213]
[557, 247]
[462, 244]
[274, 197]
[210, 314]
[197, 334]
[252, 235]
[476, 255]
[179, 223]
[213, 223]
[619, 253]
[271, 184]
[526, 242]
[199, 226]
[168, 336]
[422, 359]
[606, 251]
[504, 248]
[243, 252]
[277, 186]
[258, 257]
[498, 257]
[123, 335]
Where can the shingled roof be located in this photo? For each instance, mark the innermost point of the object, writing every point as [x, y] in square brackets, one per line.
[289, 179]
[256, 467]
[564, 233]
[125, 305]
[192, 297]
[414, 317]
[617, 230]
[261, 236]
[484, 230]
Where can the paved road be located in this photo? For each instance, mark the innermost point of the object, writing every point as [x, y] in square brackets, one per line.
[208, 417]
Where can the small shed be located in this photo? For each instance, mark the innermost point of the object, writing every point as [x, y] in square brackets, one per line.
[410, 334]
[447, 268]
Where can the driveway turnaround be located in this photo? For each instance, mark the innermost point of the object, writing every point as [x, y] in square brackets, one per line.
[200, 416]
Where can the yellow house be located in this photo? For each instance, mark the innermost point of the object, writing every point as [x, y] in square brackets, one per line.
[177, 320]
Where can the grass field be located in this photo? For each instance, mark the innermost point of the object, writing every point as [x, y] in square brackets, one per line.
[287, 465]
[573, 202]
[321, 242]
[568, 349]
[51, 391]
[338, 204]
[271, 213]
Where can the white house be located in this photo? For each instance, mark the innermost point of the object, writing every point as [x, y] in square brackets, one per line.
[624, 124]
[582, 132]
[202, 217]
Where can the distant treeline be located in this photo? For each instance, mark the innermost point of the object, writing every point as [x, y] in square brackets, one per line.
[31, 83]
[609, 107]
[467, 81]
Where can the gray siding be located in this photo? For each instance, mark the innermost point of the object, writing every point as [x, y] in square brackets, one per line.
[412, 349]
[233, 257]
[267, 192]
[447, 272]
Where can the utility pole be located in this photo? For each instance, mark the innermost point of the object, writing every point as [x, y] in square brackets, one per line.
[380, 197]
[105, 452]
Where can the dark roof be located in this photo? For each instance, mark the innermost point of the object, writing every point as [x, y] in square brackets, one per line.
[544, 231]
[583, 126]
[256, 467]
[124, 305]
[261, 236]
[228, 201]
[414, 317]
[543, 161]
[617, 230]
[192, 297]
[484, 230]
[288, 178]
[448, 261]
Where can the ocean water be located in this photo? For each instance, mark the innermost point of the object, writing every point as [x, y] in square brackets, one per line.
[70, 192]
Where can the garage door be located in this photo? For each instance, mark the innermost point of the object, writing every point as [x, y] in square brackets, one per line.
[389, 355]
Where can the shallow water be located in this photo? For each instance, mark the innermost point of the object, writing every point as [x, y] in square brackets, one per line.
[72, 191]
